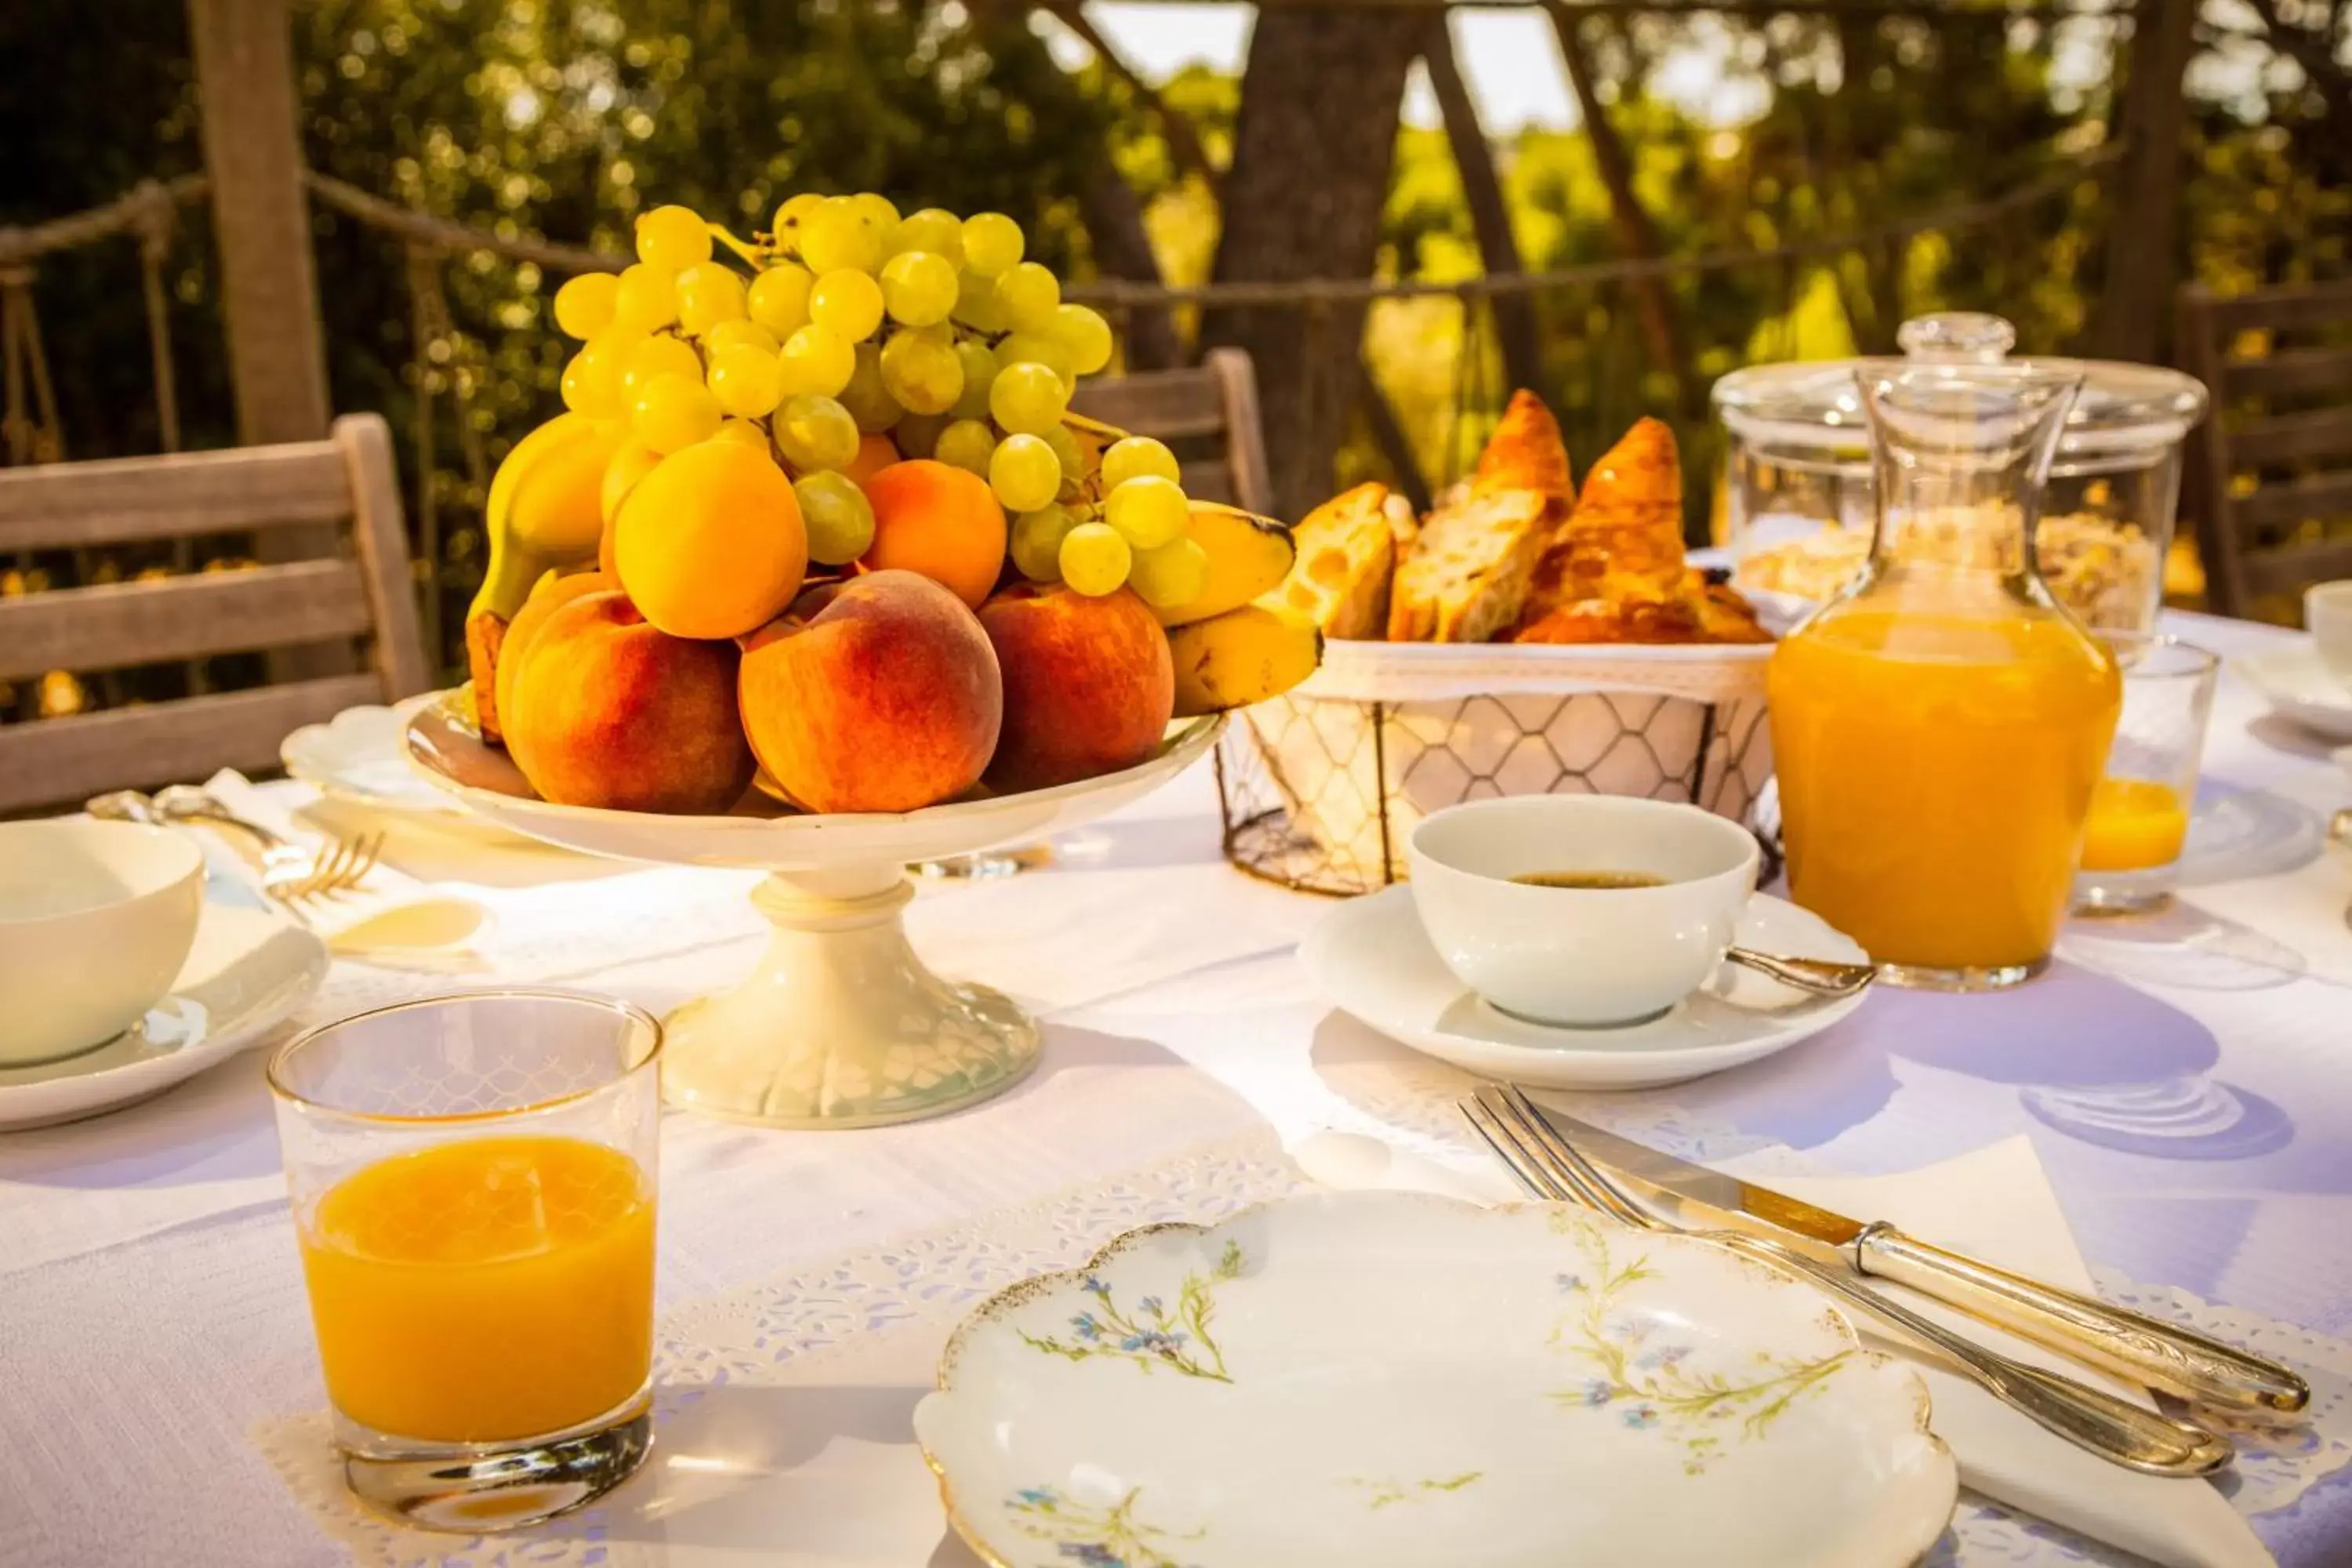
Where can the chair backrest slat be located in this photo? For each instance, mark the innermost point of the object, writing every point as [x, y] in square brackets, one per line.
[128, 500]
[2273, 309]
[2273, 471]
[2291, 372]
[2293, 437]
[1212, 478]
[2292, 570]
[302, 612]
[55, 761]
[120, 625]
[1209, 412]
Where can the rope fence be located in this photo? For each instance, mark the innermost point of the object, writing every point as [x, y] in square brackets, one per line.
[445, 362]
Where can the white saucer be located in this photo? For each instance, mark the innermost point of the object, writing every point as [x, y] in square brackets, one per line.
[356, 757]
[2299, 687]
[249, 968]
[1370, 956]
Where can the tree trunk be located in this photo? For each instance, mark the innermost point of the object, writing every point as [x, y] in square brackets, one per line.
[1123, 249]
[1312, 149]
[2136, 296]
[1515, 316]
[1113, 215]
[1637, 237]
[261, 221]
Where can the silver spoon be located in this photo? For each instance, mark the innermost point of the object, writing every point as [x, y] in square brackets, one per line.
[1818, 976]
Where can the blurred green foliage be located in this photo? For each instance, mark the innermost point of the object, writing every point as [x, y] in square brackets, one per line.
[564, 117]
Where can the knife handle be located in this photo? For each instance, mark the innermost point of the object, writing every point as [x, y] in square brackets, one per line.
[2142, 1349]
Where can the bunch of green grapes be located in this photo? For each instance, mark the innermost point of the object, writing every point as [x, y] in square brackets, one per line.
[850, 321]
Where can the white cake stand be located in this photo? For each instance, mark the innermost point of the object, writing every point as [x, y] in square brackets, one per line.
[841, 1025]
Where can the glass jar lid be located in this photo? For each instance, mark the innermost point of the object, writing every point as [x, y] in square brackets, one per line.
[1810, 414]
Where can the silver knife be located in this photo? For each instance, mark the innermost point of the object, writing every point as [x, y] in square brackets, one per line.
[2144, 1350]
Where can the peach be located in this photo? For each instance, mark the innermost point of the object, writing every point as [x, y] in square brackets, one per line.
[877, 694]
[876, 452]
[549, 595]
[609, 711]
[1088, 684]
[710, 543]
[940, 520]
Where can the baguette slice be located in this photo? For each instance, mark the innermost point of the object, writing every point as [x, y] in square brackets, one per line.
[1467, 578]
[1347, 554]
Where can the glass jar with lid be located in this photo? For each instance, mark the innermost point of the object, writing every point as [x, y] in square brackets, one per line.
[1799, 492]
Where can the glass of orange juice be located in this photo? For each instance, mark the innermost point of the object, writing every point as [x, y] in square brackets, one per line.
[2140, 807]
[473, 1183]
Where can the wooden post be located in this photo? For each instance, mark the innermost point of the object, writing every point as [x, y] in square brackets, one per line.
[2144, 200]
[245, 89]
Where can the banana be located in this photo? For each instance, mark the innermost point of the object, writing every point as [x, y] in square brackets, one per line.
[1244, 656]
[543, 514]
[1248, 555]
[545, 511]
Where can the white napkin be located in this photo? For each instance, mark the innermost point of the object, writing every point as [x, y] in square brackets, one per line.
[1994, 1203]
[389, 918]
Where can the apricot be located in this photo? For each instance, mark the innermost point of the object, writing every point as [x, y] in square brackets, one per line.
[549, 595]
[609, 711]
[940, 520]
[632, 460]
[876, 452]
[877, 694]
[710, 543]
[1088, 684]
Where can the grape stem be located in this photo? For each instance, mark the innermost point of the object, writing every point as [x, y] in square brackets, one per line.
[754, 255]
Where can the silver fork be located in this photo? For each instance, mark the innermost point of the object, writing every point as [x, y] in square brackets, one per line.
[291, 873]
[2090, 1418]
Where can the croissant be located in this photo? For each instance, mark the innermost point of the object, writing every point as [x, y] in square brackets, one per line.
[1613, 570]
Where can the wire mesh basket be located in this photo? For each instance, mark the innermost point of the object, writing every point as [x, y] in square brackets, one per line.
[1320, 788]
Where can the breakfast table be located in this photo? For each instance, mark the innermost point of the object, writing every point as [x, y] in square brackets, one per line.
[2183, 1083]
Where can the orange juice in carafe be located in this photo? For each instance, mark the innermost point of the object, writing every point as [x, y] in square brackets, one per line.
[1939, 729]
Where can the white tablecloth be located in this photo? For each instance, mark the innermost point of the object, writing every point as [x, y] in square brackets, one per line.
[152, 1331]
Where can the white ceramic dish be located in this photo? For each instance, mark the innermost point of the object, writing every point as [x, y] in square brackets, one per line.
[95, 920]
[1392, 1380]
[841, 1025]
[2300, 688]
[249, 970]
[357, 758]
[446, 752]
[1371, 957]
[1588, 957]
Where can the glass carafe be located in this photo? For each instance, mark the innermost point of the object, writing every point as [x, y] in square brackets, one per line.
[1939, 725]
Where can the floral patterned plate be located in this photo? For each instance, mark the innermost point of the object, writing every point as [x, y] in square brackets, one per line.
[1393, 1380]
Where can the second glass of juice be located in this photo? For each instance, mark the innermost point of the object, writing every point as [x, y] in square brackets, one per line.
[1938, 727]
[2141, 809]
[473, 1182]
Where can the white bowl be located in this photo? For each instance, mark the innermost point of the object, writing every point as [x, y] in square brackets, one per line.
[1584, 957]
[96, 919]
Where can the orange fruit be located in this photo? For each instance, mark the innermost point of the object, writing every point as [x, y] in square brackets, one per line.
[940, 520]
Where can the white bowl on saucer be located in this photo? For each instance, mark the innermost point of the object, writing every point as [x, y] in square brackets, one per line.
[96, 918]
[1583, 957]
[251, 967]
[1372, 958]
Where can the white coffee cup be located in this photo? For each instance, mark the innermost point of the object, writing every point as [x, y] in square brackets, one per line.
[96, 919]
[2327, 615]
[1585, 957]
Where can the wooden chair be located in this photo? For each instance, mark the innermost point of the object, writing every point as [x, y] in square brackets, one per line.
[359, 599]
[1208, 415]
[2268, 540]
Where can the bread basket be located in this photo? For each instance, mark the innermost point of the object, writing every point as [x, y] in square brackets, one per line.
[1320, 787]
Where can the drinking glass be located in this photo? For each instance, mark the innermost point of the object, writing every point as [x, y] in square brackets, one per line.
[473, 1182]
[2140, 808]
